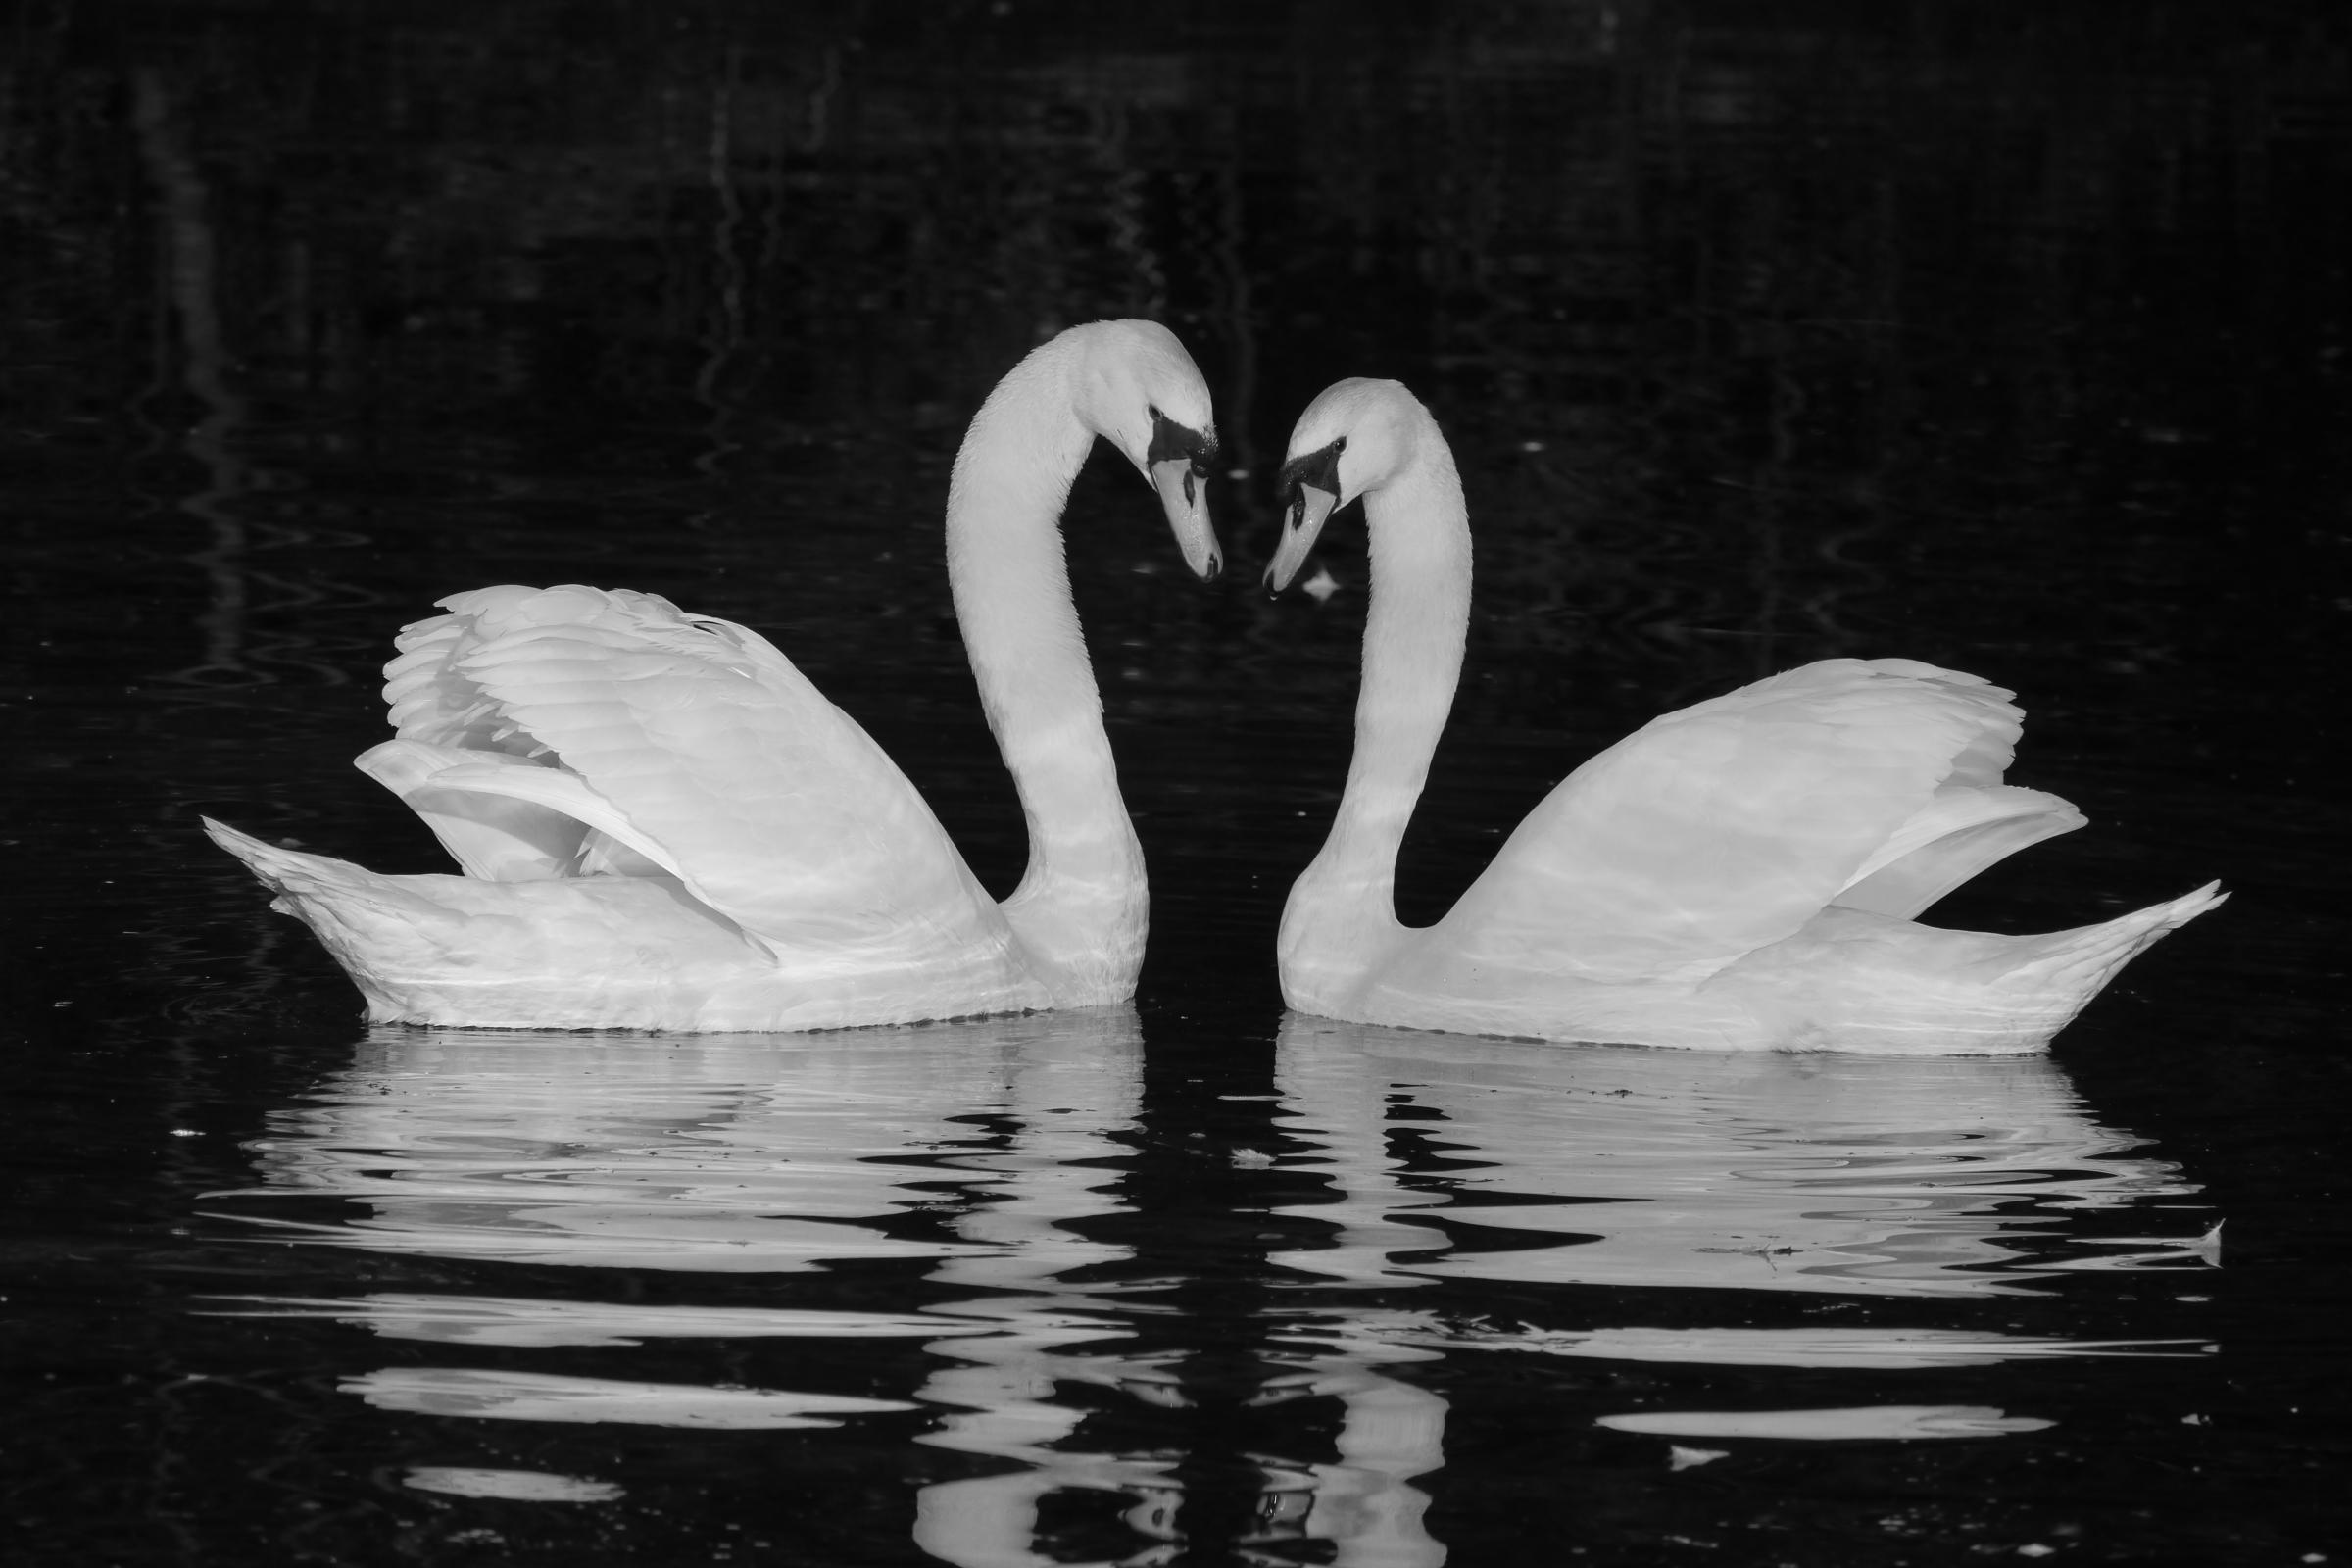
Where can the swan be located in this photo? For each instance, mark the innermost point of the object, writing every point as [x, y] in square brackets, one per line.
[663, 825]
[1738, 875]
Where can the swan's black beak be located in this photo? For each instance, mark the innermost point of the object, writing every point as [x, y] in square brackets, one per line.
[1177, 466]
[1310, 492]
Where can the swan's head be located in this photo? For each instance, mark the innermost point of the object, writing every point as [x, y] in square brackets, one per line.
[1140, 391]
[1354, 438]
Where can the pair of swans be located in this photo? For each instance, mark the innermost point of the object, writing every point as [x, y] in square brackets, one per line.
[663, 825]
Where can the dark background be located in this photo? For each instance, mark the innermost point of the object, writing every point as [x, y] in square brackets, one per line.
[2011, 336]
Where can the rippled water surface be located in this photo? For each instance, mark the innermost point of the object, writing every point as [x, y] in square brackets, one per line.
[2008, 336]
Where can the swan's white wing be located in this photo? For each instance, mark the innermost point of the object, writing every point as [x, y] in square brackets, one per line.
[432, 696]
[495, 834]
[698, 745]
[444, 719]
[1958, 833]
[1724, 826]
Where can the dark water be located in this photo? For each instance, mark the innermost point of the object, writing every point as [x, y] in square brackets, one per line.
[2006, 335]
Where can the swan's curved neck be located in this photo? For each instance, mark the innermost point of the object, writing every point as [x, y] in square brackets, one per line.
[1419, 525]
[1080, 907]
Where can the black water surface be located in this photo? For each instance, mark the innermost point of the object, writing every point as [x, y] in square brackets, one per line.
[2007, 336]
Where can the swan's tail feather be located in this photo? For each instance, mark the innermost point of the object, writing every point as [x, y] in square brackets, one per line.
[369, 922]
[2080, 963]
[2038, 984]
[1867, 982]
[278, 870]
[292, 874]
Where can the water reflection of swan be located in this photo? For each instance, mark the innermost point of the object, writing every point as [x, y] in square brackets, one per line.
[663, 825]
[979, 1148]
[1741, 874]
[726, 1153]
[1620, 1165]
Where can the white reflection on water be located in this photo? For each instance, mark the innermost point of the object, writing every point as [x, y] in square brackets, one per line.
[746, 1153]
[525, 1321]
[1609, 1165]
[524, 1485]
[973, 1146]
[1391, 1431]
[979, 1151]
[504, 1395]
[1618, 1166]
[1902, 1422]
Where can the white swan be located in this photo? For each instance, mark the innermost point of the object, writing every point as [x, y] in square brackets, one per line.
[1736, 875]
[663, 825]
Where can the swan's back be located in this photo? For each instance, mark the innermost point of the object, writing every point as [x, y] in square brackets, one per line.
[1724, 826]
[684, 745]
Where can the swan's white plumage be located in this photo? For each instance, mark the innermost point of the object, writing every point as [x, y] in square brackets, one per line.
[1740, 873]
[1724, 826]
[698, 745]
[663, 824]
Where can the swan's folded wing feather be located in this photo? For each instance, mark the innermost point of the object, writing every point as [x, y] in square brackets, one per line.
[1958, 833]
[719, 760]
[496, 835]
[1724, 826]
[432, 700]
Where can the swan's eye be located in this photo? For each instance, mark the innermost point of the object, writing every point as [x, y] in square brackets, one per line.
[1319, 469]
[1172, 440]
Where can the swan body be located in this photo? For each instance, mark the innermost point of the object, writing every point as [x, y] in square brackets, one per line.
[1741, 874]
[663, 825]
